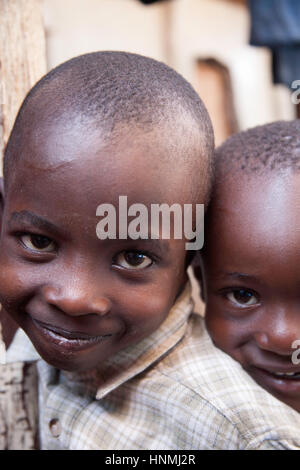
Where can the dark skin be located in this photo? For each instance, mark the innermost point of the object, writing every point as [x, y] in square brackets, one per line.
[252, 275]
[8, 325]
[79, 299]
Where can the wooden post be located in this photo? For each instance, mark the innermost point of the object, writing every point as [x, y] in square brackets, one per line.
[22, 63]
[22, 57]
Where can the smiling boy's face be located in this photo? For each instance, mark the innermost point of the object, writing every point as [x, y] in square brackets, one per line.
[252, 278]
[80, 299]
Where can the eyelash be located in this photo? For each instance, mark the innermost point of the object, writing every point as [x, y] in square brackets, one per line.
[153, 258]
[147, 254]
[36, 252]
[37, 235]
[232, 290]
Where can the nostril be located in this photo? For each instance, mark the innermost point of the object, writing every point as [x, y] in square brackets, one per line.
[50, 294]
[262, 340]
[102, 306]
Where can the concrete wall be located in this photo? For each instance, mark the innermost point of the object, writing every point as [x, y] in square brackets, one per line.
[74, 27]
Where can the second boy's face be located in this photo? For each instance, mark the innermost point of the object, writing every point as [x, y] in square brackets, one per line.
[252, 264]
[81, 299]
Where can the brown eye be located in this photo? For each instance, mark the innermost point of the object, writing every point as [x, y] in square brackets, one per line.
[133, 260]
[242, 298]
[38, 243]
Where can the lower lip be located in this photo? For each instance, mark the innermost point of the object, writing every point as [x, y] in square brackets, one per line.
[280, 384]
[67, 344]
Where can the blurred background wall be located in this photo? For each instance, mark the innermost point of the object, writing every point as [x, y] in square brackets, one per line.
[207, 41]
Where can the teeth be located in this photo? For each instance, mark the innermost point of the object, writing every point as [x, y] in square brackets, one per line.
[285, 373]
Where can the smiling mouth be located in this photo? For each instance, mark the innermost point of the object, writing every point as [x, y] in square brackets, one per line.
[284, 375]
[280, 375]
[67, 339]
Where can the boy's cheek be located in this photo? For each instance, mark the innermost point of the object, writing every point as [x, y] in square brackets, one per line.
[217, 328]
[15, 283]
[225, 332]
[148, 306]
[144, 308]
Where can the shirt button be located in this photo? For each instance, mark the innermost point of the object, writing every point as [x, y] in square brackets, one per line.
[55, 427]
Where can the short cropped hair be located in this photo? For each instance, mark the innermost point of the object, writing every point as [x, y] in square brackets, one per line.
[270, 147]
[114, 89]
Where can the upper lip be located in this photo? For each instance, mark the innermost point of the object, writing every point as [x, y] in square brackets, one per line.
[67, 333]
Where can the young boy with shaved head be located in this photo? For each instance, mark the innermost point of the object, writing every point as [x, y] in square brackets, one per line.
[111, 320]
[252, 271]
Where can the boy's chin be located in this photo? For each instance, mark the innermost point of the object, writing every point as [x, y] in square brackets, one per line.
[68, 353]
[71, 362]
[291, 398]
[70, 357]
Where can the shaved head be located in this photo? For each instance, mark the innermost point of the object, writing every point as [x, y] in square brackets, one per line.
[113, 95]
[267, 148]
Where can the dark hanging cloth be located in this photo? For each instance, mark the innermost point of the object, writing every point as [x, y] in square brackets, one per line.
[276, 24]
[286, 64]
[148, 2]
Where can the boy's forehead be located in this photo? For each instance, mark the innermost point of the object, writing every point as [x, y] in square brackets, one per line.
[266, 190]
[131, 162]
[70, 131]
[259, 207]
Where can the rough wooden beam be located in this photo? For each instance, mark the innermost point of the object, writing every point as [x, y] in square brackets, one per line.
[18, 407]
[22, 57]
[22, 63]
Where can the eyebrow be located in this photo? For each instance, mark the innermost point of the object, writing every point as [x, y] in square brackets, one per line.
[28, 217]
[160, 244]
[240, 276]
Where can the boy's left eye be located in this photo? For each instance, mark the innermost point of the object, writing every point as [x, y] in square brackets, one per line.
[133, 260]
[242, 297]
[38, 243]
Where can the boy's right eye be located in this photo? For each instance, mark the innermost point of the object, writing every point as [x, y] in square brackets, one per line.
[37, 243]
[133, 260]
[242, 297]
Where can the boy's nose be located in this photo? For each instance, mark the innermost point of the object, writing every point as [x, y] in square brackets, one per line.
[278, 333]
[75, 302]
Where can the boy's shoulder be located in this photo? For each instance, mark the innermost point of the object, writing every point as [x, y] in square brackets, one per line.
[214, 391]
